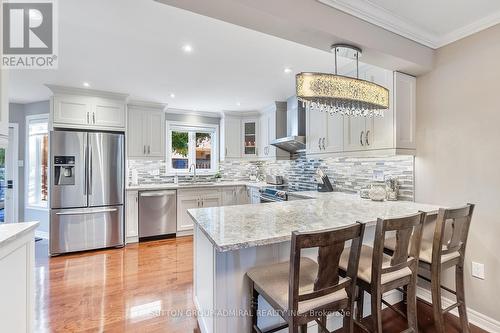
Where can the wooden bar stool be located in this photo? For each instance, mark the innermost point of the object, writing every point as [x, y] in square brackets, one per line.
[304, 290]
[379, 273]
[446, 250]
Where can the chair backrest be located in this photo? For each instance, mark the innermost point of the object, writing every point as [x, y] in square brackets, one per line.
[458, 220]
[330, 244]
[408, 230]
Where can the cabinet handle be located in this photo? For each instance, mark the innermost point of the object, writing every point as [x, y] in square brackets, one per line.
[361, 138]
[149, 149]
[324, 144]
[366, 138]
[319, 143]
[93, 117]
[202, 202]
[226, 151]
[88, 117]
[144, 150]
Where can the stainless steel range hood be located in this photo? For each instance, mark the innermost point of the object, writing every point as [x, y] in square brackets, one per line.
[296, 127]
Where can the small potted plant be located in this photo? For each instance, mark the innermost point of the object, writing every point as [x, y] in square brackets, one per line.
[218, 176]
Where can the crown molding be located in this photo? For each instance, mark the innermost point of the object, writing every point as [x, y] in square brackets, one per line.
[147, 105]
[386, 19]
[56, 89]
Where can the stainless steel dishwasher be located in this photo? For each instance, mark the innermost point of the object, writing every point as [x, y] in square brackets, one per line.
[157, 214]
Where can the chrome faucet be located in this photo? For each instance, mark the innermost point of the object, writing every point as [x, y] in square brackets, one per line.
[194, 171]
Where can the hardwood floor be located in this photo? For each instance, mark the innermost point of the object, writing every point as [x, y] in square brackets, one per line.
[139, 288]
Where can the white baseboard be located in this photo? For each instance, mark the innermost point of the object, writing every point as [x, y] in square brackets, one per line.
[476, 318]
[184, 233]
[42, 234]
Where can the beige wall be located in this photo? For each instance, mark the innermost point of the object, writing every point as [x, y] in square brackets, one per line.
[458, 136]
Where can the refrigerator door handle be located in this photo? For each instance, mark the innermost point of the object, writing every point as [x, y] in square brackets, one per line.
[86, 166]
[87, 212]
[89, 189]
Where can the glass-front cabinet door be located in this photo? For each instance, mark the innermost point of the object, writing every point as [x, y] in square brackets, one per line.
[250, 137]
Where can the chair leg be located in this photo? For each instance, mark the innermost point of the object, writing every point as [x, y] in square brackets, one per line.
[360, 303]
[254, 305]
[462, 308]
[411, 304]
[376, 296]
[349, 318]
[436, 299]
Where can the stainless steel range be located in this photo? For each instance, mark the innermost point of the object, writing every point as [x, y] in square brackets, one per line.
[277, 194]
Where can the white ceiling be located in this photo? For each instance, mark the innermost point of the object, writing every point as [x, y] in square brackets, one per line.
[434, 23]
[135, 47]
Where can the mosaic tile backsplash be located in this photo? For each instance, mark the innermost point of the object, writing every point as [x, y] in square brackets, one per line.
[347, 174]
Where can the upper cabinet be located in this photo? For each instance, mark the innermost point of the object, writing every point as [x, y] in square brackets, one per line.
[250, 135]
[272, 126]
[87, 109]
[146, 130]
[394, 133]
[4, 108]
[230, 138]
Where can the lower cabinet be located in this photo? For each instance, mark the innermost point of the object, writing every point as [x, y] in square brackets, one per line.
[186, 201]
[132, 217]
[253, 195]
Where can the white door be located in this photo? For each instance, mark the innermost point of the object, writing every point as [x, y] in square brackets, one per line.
[229, 196]
[232, 137]
[184, 221]
[211, 200]
[316, 131]
[334, 139]
[354, 133]
[155, 134]
[11, 172]
[108, 113]
[264, 135]
[135, 134]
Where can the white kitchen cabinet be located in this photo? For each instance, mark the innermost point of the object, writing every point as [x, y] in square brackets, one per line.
[229, 196]
[146, 134]
[405, 91]
[4, 108]
[242, 195]
[194, 198]
[272, 125]
[325, 132]
[394, 133]
[87, 109]
[185, 202]
[132, 217]
[253, 194]
[231, 137]
[250, 137]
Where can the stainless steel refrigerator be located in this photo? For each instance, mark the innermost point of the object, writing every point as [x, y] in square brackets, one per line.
[87, 175]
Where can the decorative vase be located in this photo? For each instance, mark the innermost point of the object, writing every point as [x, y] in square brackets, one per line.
[378, 192]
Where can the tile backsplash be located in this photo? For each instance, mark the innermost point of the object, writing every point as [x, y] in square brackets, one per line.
[348, 174]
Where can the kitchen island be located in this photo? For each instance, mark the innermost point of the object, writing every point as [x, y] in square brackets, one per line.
[228, 241]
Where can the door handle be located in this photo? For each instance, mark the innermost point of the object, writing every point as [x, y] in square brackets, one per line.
[366, 138]
[89, 187]
[361, 138]
[84, 212]
[324, 144]
[157, 194]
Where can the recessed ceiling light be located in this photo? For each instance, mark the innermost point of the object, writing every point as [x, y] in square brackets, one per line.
[172, 95]
[86, 84]
[187, 48]
[287, 70]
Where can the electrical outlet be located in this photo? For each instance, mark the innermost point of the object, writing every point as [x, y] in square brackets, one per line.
[478, 270]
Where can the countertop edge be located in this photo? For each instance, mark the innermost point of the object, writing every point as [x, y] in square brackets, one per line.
[172, 186]
[28, 227]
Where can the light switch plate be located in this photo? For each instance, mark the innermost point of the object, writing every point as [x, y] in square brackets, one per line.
[478, 270]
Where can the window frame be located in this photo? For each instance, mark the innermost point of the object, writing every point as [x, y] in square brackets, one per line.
[192, 128]
[30, 118]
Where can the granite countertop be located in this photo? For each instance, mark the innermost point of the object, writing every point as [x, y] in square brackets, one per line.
[236, 227]
[172, 186]
[11, 231]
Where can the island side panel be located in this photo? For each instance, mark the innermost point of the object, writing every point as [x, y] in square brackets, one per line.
[203, 279]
